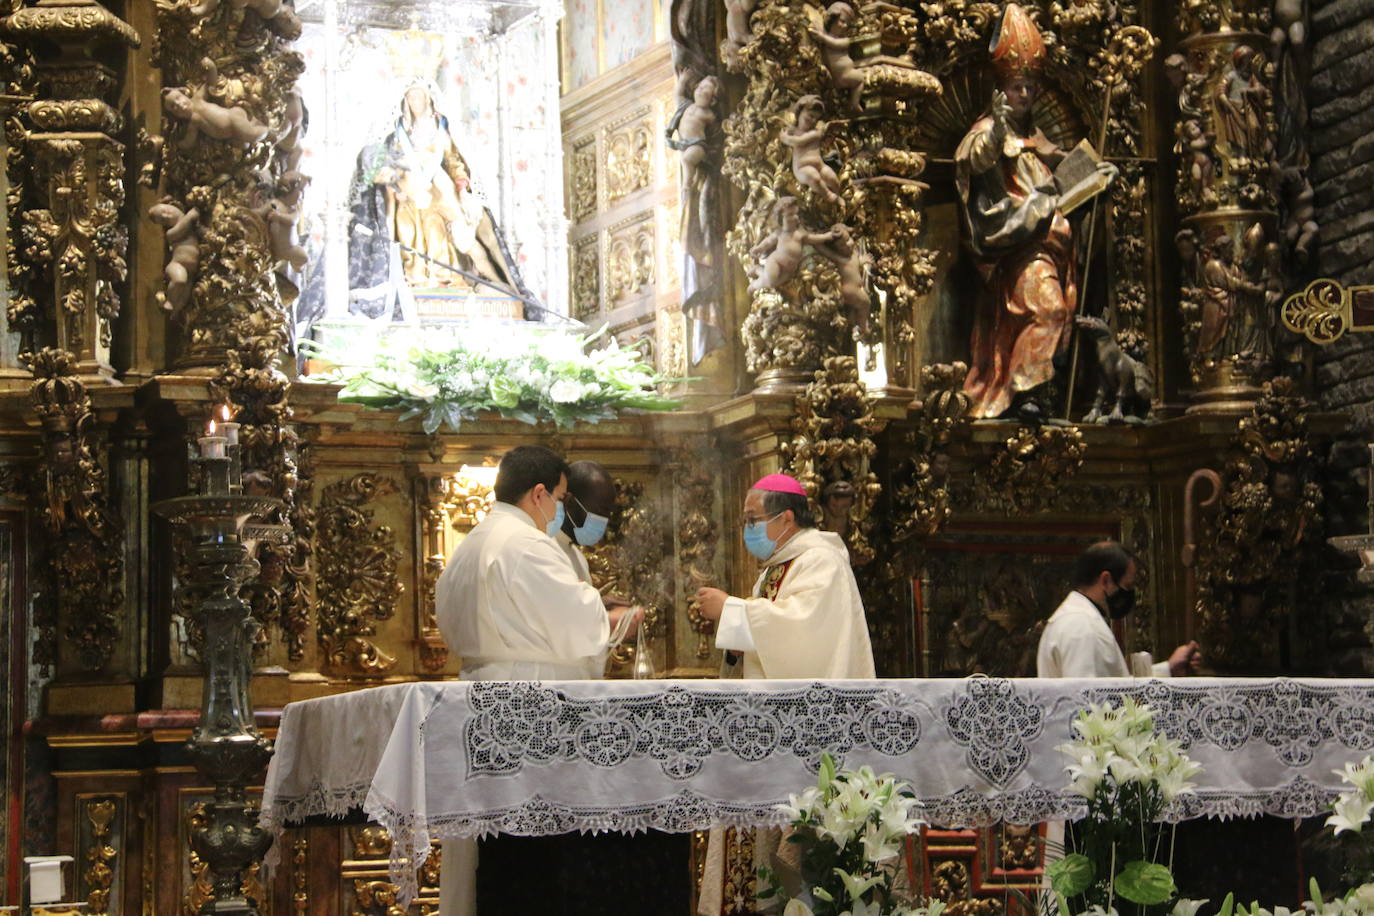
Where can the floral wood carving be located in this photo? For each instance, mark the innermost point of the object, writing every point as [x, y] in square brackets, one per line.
[85, 553]
[1027, 470]
[921, 497]
[697, 532]
[356, 581]
[72, 242]
[831, 451]
[101, 856]
[1253, 553]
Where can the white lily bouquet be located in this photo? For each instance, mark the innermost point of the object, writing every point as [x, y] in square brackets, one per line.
[1129, 774]
[850, 828]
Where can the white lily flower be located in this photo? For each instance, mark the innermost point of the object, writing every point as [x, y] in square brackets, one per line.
[1185, 907]
[796, 908]
[1350, 812]
[857, 885]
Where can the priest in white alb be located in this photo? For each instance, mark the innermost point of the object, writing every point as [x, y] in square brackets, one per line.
[511, 604]
[509, 601]
[804, 617]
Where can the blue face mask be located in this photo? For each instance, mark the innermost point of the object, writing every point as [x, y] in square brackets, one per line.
[592, 529]
[556, 522]
[757, 541]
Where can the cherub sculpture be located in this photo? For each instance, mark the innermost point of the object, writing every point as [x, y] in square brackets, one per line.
[217, 122]
[1194, 148]
[854, 264]
[836, 44]
[692, 126]
[281, 214]
[738, 33]
[804, 138]
[183, 239]
[782, 252]
[289, 147]
[276, 14]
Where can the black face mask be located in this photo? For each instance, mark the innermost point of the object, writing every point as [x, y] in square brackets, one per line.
[1120, 604]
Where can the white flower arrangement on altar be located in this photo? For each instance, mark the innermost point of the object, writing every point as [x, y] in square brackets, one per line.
[444, 378]
[1129, 774]
[850, 828]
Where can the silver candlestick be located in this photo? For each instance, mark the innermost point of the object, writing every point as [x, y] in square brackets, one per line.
[226, 746]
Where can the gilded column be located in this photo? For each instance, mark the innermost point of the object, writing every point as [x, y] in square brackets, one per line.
[72, 237]
[1232, 255]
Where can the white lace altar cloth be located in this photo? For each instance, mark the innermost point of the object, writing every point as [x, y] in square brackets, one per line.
[443, 760]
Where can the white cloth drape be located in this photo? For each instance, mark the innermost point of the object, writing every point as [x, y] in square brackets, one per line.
[461, 759]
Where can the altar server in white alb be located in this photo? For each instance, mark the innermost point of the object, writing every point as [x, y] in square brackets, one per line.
[509, 602]
[805, 618]
[1078, 640]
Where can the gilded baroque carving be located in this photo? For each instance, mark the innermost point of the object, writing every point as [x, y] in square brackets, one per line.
[629, 157]
[831, 452]
[1243, 193]
[920, 505]
[921, 498]
[227, 168]
[697, 533]
[98, 878]
[85, 552]
[630, 259]
[201, 889]
[456, 502]
[1254, 552]
[586, 278]
[829, 215]
[1028, 469]
[255, 392]
[583, 196]
[300, 875]
[72, 242]
[356, 579]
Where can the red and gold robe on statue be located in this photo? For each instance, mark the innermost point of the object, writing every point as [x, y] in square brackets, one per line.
[1023, 247]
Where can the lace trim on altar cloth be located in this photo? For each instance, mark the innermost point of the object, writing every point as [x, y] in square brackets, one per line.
[319, 801]
[688, 811]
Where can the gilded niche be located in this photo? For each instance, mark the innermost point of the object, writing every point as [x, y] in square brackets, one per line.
[586, 278]
[630, 259]
[583, 197]
[629, 157]
[356, 579]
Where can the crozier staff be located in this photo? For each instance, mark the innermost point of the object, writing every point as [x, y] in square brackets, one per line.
[804, 617]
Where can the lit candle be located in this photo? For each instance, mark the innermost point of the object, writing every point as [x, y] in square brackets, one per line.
[212, 446]
[231, 430]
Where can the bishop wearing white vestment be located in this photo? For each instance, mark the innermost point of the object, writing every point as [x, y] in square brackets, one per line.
[804, 617]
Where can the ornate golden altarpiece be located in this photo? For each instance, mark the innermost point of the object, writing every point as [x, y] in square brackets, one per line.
[961, 530]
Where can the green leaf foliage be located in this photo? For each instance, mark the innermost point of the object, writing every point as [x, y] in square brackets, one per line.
[1145, 882]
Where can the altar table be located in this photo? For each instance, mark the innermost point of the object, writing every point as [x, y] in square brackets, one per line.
[454, 759]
